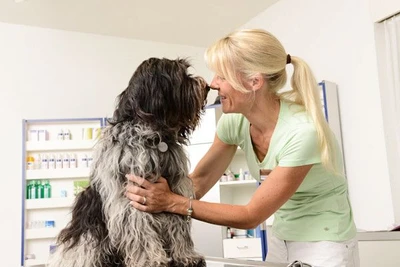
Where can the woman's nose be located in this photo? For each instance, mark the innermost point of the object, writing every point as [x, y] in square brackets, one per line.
[214, 83]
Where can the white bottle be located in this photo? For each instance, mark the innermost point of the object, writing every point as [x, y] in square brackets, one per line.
[38, 162]
[44, 162]
[52, 161]
[66, 134]
[42, 135]
[60, 135]
[33, 135]
[83, 162]
[241, 174]
[89, 160]
[59, 162]
[72, 161]
[230, 175]
[66, 161]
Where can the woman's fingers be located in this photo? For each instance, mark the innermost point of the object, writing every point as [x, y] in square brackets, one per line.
[136, 194]
[134, 189]
[139, 180]
[147, 196]
[138, 206]
[136, 198]
[161, 180]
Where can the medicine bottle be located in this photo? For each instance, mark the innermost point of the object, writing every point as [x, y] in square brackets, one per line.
[47, 190]
[30, 163]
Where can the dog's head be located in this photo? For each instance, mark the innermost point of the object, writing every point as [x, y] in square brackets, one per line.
[165, 96]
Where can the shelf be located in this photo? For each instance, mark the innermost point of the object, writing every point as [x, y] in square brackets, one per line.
[60, 145]
[49, 203]
[41, 233]
[239, 183]
[58, 173]
[35, 262]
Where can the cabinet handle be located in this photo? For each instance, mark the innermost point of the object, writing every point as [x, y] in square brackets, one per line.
[242, 247]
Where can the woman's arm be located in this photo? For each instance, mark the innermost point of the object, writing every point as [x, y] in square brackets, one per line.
[280, 185]
[212, 166]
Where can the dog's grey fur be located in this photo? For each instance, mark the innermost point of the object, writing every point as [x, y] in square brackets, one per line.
[105, 231]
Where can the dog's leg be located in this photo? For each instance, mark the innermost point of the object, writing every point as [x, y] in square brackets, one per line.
[84, 242]
[137, 235]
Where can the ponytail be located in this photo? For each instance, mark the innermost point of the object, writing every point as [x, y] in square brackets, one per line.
[305, 92]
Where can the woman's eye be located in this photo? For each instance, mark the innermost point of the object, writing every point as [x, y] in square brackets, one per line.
[220, 78]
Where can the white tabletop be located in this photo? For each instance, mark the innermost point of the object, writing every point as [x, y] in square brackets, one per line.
[221, 262]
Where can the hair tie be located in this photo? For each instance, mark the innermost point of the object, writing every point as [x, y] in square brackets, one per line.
[288, 59]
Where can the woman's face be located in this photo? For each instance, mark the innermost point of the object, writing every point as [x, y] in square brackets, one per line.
[232, 101]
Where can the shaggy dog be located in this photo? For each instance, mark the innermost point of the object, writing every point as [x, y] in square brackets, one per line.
[153, 119]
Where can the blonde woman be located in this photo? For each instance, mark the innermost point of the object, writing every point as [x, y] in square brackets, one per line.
[283, 134]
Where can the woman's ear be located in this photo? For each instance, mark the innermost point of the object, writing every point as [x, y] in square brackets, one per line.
[257, 82]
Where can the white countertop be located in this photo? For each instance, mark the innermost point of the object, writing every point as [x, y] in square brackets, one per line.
[378, 236]
[221, 262]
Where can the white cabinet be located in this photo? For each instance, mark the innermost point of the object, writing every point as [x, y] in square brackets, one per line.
[379, 249]
[56, 165]
[243, 248]
[240, 193]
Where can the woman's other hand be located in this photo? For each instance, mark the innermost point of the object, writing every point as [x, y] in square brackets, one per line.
[150, 197]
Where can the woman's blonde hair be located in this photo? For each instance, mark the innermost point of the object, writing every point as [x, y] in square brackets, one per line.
[245, 53]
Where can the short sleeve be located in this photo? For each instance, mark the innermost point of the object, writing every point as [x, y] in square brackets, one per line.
[302, 148]
[228, 129]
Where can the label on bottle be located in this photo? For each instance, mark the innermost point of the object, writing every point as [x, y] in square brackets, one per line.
[66, 135]
[30, 165]
[59, 163]
[60, 135]
[72, 162]
[44, 164]
[66, 162]
[52, 163]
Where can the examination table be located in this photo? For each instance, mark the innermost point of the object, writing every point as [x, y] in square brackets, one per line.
[221, 262]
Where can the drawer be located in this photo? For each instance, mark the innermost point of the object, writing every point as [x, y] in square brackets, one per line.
[242, 248]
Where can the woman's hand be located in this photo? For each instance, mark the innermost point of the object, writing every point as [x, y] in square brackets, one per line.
[150, 197]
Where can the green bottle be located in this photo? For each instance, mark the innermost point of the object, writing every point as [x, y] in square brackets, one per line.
[28, 190]
[39, 190]
[47, 189]
[33, 190]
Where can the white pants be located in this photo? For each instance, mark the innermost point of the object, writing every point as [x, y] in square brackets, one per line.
[317, 254]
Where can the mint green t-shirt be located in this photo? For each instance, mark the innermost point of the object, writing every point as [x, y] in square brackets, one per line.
[320, 208]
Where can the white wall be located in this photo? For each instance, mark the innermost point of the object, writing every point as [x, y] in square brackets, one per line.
[56, 74]
[336, 37]
[381, 10]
